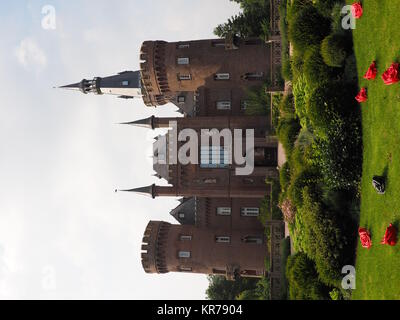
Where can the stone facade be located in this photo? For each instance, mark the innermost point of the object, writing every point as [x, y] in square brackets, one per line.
[218, 230]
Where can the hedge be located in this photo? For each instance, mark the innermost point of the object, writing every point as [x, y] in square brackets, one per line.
[307, 27]
[335, 49]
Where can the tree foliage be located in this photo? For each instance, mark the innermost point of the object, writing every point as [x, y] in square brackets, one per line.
[253, 21]
[221, 289]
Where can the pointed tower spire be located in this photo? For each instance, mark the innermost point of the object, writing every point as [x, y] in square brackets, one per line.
[144, 123]
[146, 191]
[125, 85]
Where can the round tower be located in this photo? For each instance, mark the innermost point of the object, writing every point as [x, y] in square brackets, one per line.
[187, 248]
[169, 68]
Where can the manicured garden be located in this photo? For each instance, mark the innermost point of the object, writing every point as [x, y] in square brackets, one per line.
[320, 129]
[376, 37]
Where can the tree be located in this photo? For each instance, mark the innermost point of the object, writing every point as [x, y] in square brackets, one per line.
[253, 21]
[221, 289]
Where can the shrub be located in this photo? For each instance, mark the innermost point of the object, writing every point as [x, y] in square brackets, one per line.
[335, 49]
[287, 133]
[296, 64]
[303, 280]
[286, 106]
[325, 6]
[328, 239]
[330, 104]
[301, 91]
[339, 156]
[316, 72]
[308, 177]
[286, 67]
[257, 102]
[284, 176]
[307, 27]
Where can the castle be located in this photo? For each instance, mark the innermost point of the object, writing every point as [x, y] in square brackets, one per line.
[218, 229]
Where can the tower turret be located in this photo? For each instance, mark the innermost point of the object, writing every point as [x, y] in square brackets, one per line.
[186, 248]
[126, 85]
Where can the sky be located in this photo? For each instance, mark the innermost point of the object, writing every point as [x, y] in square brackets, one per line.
[64, 233]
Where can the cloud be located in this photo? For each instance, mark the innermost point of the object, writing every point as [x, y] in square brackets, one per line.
[29, 54]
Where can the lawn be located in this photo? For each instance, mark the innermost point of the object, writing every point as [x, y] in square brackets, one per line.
[377, 37]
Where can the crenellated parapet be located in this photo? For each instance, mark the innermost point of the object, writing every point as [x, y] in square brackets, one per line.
[155, 87]
[154, 247]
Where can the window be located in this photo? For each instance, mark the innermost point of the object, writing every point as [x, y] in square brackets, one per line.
[224, 211]
[210, 180]
[250, 212]
[183, 45]
[181, 99]
[125, 83]
[181, 215]
[223, 105]
[244, 104]
[253, 239]
[183, 61]
[185, 238]
[184, 77]
[214, 157]
[218, 271]
[223, 239]
[222, 76]
[185, 269]
[253, 76]
[251, 42]
[218, 43]
[184, 254]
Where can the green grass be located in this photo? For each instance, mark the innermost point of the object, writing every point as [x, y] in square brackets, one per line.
[377, 37]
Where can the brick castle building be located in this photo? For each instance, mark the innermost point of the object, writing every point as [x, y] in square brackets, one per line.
[218, 229]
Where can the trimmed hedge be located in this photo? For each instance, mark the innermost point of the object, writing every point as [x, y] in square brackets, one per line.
[316, 72]
[335, 49]
[308, 177]
[330, 104]
[288, 130]
[284, 176]
[307, 27]
[328, 239]
[302, 279]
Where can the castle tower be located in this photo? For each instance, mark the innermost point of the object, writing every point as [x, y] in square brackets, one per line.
[172, 72]
[126, 85]
[185, 248]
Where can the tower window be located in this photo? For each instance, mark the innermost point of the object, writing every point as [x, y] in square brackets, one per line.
[214, 157]
[223, 239]
[250, 42]
[183, 45]
[250, 212]
[185, 269]
[181, 215]
[218, 43]
[253, 239]
[244, 104]
[181, 99]
[253, 76]
[184, 254]
[222, 76]
[223, 105]
[185, 238]
[218, 271]
[125, 83]
[184, 77]
[183, 61]
[224, 211]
